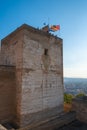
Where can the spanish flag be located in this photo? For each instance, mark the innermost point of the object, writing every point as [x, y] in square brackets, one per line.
[55, 28]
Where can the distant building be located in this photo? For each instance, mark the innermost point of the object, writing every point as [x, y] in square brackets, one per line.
[31, 76]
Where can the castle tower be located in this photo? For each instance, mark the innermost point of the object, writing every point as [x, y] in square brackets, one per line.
[35, 59]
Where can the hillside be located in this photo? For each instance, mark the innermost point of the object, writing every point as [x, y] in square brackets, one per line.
[75, 85]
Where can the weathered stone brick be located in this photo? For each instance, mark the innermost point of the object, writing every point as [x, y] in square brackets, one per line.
[38, 59]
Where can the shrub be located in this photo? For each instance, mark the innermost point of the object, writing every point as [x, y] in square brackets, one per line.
[80, 95]
[68, 98]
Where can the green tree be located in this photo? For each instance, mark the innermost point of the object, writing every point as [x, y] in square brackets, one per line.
[80, 95]
[68, 98]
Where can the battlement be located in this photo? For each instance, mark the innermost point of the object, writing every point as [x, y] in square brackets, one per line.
[30, 29]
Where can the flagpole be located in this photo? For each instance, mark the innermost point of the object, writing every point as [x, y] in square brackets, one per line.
[48, 24]
[59, 32]
[48, 21]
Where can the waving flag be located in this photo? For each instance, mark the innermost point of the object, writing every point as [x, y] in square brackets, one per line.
[55, 28]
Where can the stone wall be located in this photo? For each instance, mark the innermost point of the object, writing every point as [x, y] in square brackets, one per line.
[80, 106]
[42, 78]
[38, 59]
[0, 57]
[12, 55]
[11, 50]
[7, 93]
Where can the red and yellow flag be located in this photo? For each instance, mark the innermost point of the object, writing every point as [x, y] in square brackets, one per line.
[55, 28]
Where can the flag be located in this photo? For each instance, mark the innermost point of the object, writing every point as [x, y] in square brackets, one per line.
[55, 28]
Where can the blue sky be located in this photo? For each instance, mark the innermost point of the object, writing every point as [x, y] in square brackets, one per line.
[70, 14]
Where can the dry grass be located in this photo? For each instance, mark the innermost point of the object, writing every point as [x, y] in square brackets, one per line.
[67, 107]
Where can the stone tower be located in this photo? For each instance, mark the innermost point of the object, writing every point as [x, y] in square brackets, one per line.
[31, 76]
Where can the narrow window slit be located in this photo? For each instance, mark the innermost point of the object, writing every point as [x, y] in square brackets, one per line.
[46, 52]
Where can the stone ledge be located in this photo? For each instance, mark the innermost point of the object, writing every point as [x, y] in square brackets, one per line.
[53, 122]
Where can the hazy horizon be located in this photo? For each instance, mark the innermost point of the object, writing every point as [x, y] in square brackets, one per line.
[74, 78]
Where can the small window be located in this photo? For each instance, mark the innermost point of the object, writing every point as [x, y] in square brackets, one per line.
[46, 52]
